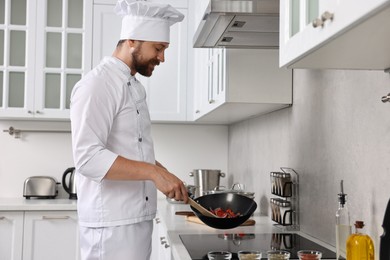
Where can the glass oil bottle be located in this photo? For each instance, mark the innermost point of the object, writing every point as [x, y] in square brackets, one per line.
[343, 225]
[360, 245]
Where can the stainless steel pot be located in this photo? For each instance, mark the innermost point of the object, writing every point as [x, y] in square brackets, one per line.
[205, 180]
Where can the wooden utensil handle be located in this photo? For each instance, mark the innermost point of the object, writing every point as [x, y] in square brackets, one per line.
[201, 209]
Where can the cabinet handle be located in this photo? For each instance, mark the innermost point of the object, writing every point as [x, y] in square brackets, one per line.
[211, 101]
[38, 112]
[320, 22]
[164, 242]
[386, 98]
[30, 112]
[317, 22]
[197, 111]
[55, 217]
[327, 16]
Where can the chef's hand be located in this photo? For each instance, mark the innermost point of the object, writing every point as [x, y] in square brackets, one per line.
[170, 185]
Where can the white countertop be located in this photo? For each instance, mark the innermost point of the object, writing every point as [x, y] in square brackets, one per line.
[175, 225]
[22, 204]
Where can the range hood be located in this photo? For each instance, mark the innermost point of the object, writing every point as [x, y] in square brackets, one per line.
[239, 24]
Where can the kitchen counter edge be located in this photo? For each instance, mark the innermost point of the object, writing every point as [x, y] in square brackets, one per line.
[22, 204]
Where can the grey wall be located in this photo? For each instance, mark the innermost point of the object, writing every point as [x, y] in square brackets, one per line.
[337, 128]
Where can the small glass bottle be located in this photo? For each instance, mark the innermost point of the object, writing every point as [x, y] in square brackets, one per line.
[360, 245]
[343, 225]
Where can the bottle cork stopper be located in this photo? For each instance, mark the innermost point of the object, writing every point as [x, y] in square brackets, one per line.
[359, 224]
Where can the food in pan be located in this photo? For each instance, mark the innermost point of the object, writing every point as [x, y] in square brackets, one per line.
[228, 213]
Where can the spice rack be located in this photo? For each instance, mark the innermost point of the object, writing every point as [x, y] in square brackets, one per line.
[285, 206]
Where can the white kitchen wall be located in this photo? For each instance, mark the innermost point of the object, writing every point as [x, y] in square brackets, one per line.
[181, 148]
[337, 128]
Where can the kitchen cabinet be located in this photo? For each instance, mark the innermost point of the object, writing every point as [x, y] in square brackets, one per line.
[50, 235]
[44, 51]
[345, 34]
[39, 235]
[161, 248]
[11, 235]
[167, 87]
[236, 84]
[212, 76]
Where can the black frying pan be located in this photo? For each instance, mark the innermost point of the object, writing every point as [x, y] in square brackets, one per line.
[237, 203]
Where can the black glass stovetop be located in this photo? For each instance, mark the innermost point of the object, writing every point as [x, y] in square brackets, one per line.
[198, 245]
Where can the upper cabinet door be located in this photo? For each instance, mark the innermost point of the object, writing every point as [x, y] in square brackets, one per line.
[45, 49]
[326, 34]
[166, 88]
[63, 28]
[17, 53]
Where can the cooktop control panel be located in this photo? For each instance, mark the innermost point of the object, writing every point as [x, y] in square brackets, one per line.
[198, 245]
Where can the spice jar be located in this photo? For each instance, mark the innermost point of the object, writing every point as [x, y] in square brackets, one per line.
[273, 209]
[273, 183]
[285, 185]
[277, 210]
[285, 213]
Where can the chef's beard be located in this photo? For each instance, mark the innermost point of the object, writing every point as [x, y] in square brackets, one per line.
[143, 67]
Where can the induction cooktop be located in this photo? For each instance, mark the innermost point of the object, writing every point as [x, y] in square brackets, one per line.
[198, 245]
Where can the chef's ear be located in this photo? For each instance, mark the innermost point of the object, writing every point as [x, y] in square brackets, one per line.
[132, 43]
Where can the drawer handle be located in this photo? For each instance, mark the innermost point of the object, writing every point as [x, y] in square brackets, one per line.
[55, 217]
[317, 22]
[1, 217]
[327, 16]
[320, 22]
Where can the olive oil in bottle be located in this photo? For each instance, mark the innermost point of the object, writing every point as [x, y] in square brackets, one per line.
[360, 245]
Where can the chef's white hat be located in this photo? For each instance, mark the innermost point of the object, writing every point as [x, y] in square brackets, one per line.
[146, 21]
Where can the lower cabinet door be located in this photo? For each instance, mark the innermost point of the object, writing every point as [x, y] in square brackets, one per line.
[161, 248]
[11, 235]
[165, 251]
[155, 240]
[51, 235]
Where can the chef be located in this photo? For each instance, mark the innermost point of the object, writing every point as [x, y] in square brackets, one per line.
[117, 175]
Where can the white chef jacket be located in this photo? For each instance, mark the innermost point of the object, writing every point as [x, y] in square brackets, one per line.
[110, 117]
